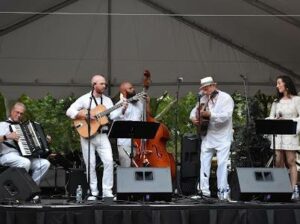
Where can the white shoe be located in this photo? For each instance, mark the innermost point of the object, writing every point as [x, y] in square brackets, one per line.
[295, 195]
[36, 197]
[107, 194]
[92, 198]
[196, 197]
[206, 194]
[224, 195]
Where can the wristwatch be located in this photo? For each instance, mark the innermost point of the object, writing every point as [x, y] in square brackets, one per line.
[4, 137]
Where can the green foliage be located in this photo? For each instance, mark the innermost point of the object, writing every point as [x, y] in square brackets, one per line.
[2, 108]
[166, 109]
[50, 112]
[238, 115]
[248, 148]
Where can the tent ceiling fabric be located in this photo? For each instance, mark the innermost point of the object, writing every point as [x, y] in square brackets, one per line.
[58, 53]
[8, 20]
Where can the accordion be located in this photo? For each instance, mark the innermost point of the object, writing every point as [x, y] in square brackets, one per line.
[32, 141]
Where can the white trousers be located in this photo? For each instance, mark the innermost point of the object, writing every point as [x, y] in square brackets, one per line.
[101, 144]
[38, 166]
[206, 155]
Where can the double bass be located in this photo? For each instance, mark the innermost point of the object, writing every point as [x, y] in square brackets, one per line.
[153, 152]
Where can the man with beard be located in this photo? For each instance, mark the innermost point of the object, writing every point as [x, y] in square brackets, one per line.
[98, 142]
[132, 111]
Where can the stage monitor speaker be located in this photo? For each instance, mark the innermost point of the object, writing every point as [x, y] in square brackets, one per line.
[190, 156]
[268, 184]
[17, 184]
[144, 184]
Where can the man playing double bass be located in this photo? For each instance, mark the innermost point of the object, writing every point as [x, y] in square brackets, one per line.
[132, 111]
[215, 110]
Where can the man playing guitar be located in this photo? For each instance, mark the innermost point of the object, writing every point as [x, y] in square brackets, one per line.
[217, 110]
[99, 141]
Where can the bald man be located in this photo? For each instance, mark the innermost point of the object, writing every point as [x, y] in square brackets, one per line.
[99, 142]
[129, 112]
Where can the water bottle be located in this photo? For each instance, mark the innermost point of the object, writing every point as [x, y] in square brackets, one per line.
[79, 194]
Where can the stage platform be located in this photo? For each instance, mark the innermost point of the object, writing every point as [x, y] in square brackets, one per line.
[178, 211]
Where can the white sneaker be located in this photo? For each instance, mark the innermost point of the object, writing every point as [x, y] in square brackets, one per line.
[206, 194]
[107, 194]
[196, 197]
[36, 197]
[92, 198]
[224, 195]
[295, 195]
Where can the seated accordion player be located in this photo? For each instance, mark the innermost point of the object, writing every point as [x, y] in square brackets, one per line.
[33, 141]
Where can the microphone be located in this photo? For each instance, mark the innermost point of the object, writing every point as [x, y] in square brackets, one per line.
[180, 79]
[200, 94]
[162, 97]
[243, 76]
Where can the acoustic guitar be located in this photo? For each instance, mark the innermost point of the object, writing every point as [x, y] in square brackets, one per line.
[204, 122]
[100, 113]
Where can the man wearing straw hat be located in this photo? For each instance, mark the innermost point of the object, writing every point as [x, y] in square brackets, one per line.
[216, 107]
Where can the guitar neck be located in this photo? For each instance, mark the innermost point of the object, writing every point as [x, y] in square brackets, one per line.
[108, 111]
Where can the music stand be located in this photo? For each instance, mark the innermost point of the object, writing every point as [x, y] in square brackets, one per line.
[275, 127]
[133, 129]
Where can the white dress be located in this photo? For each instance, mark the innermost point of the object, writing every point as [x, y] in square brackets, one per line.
[287, 109]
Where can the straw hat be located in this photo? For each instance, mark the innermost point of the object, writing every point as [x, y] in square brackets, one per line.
[206, 82]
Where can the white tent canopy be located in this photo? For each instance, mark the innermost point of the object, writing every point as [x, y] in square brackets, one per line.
[54, 46]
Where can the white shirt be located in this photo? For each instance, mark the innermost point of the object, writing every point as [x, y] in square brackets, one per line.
[4, 130]
[134, 112]
[220, 124]
[83, 103]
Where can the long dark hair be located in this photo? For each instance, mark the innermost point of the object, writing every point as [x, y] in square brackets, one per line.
[289, 86]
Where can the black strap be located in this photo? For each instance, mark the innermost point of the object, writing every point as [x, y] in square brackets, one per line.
[101, 99]
[7, 143]
[12, 122]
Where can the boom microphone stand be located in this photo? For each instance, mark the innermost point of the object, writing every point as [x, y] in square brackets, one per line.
[245, 83]
[89, 141]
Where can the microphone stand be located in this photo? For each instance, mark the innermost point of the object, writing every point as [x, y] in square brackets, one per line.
[89, 141]
[199, 141]
[245, 83]
[179, 80]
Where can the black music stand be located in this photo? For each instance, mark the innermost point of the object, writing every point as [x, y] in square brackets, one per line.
[275, 127]
[133, 129]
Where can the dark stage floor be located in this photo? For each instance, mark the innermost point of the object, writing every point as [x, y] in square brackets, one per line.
[178, 211]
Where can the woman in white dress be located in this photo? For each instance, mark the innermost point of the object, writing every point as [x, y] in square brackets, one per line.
[287, 106]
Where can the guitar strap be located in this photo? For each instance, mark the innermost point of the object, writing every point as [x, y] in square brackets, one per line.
[101, 99]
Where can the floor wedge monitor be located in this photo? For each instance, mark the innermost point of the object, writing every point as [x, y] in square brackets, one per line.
[269, 184]
[17, 184]
[144, 184]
